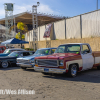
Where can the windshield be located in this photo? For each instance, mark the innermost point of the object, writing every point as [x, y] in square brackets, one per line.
[42, 51]
[72, 48]
[6, 51]
[13, 54]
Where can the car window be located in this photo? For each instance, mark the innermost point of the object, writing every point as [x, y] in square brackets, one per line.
[70, 48]
[31, 53]
[26, 53]
[3, 48]
[60, 49]
[42, 51]
[85, 49]
[21, 55]
[52, 51]
[14, 54]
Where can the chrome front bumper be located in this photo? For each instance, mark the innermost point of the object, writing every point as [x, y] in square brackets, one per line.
[25, 65]
[51, 70]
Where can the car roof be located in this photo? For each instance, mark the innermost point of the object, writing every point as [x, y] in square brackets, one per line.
[48, 48]
[22, 51]
[74, 43]
[15, 49]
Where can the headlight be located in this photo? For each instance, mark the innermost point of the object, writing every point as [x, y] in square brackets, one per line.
[61, 63]
[36, 62]
[31, 61]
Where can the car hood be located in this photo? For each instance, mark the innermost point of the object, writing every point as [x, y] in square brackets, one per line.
[58, 56]
[30, 57]
[6, 57]
[3, 54]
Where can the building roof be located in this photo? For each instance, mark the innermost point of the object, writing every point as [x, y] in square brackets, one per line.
[26, 17]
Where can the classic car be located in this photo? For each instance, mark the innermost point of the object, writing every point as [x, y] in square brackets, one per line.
[28, 62]
[8, 51]
[69, 58]
[11, 58]
[2, 48]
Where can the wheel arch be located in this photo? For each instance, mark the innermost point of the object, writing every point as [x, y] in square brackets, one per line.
[74, 64]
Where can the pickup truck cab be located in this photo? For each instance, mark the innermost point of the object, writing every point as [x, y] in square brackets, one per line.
[69, 58]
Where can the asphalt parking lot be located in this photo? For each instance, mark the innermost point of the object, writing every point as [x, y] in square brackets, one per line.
[86, 86]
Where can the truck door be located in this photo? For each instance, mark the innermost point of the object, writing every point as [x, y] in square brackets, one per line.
[87, 57]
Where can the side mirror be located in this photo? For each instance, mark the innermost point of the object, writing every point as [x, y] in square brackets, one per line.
[85, 52]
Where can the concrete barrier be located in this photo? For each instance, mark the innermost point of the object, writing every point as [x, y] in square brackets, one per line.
[94, 43]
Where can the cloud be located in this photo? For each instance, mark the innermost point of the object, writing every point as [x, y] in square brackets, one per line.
[45, 9]
[2, 13]
[5, 1]
[23, 8]
[42, 8]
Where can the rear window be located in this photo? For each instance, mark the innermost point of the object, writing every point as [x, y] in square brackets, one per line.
[26, 53]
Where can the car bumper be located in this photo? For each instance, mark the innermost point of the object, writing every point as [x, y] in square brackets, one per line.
[25, 65]
[51, 70]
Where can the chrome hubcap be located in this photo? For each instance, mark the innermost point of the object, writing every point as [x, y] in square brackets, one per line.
[4, 64]
[74, 70]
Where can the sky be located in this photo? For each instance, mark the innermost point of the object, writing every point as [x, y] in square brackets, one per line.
[67, 8]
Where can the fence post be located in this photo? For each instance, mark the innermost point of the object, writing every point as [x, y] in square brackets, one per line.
[65, 28]
[81, 26]
[39, 33]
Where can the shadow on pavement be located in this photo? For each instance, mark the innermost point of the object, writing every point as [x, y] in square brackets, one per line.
[92, 76]
[9, 68]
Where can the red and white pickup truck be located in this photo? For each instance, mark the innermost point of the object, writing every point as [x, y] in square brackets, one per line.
[69, 58]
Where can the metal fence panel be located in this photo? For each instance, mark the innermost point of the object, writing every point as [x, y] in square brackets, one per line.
[42, 30]
[59, 29]
[91, 24]
[73, 27]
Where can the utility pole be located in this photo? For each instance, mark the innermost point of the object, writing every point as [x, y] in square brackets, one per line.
[35, 26]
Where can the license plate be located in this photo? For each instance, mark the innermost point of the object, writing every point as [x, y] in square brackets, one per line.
[46, 70]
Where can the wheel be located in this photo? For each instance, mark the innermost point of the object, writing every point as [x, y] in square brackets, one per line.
[23, 68]
[98, 67]
[72, 72]
[4, 64]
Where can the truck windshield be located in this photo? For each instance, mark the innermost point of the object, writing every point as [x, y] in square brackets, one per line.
[70, 48]
[42, 51]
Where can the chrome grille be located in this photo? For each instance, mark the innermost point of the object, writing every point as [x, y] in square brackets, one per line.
[51, 63]
[23, 61]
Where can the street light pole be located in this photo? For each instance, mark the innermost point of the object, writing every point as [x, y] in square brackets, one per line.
[97, 4]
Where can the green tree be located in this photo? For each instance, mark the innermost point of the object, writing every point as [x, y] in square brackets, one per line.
[22, 29]
[18, 36]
